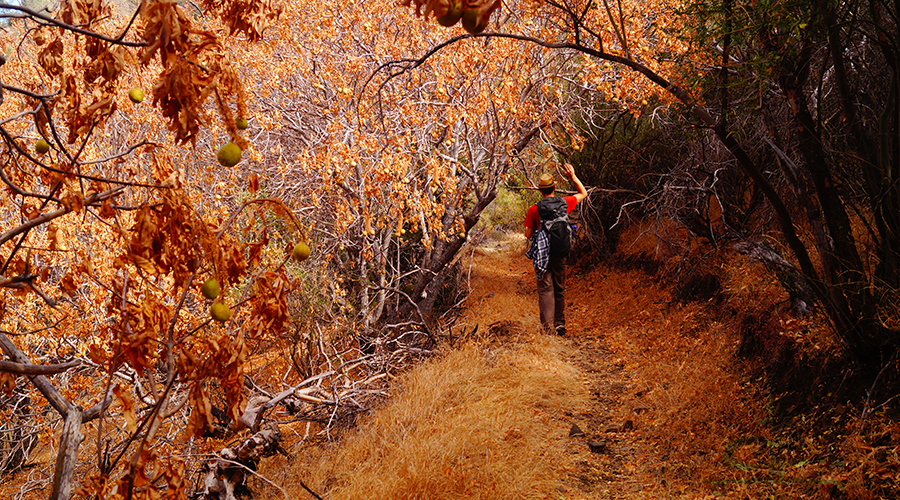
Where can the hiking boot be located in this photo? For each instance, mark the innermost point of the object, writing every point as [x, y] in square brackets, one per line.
[560, 330]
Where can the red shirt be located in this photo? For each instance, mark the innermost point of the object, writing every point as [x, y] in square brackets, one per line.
[533, 219]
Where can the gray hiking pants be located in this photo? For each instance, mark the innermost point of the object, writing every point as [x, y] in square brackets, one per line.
[552, 295]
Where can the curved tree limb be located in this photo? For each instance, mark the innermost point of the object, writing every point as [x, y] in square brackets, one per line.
[75, 29]
[54, 397]
[784, 217]
[37, 221]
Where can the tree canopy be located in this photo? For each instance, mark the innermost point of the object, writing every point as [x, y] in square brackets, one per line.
[148, 149]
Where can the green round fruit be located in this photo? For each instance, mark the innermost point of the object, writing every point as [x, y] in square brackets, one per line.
[136, 95]
[241, 123]
[229, 155]
[470, 21]
[41, 146]
[454, 12]
[210, 288]
[219, 311]
[301, 252]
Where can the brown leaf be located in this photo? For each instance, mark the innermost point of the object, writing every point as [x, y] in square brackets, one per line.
[180, 94]
[53, 235]
[439, 7]
[40, 36]
[235, 265]
[96, 354]
[107, 64]
[106, 210]
[69, 284]
[485, 9]
[251, 17]
[146, 265]
[79, 12]
[51, 58]
[7, 382]
[174, 475]
[127, 401]
[166, 31]
[201, 412]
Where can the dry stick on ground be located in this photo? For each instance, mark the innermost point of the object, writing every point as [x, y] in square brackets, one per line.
[253, 416]
[227, 469]
[311, 492]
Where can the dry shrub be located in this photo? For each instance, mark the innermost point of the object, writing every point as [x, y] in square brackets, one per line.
[742, 397]
[663, 238]
[476, 423]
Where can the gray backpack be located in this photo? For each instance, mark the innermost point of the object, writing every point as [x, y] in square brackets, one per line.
[555, 220]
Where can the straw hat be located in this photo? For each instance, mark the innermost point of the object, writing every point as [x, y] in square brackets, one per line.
[546, 181]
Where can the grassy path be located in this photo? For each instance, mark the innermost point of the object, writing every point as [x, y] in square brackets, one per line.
[643, 380]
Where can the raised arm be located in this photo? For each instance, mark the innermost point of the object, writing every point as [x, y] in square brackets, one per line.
[569, 171]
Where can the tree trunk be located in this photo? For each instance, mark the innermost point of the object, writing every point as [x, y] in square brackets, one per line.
[440, 261]
[73, 417]
[68, 455]
[880, 171]
[227, 471]
[788, 275]
[848, 295]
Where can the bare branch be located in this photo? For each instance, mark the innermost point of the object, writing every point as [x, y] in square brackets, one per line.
[56, 399]
[32, 369]
[75, 29]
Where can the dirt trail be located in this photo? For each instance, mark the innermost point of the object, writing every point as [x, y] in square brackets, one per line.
[603, 461]
[503, 285]
[666, 403]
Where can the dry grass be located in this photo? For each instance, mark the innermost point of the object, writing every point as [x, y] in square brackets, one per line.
[492, 422]
[485, 421]
[490, 418]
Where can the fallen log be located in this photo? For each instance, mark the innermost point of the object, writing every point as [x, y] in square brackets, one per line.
[227, 471]
[792, 280]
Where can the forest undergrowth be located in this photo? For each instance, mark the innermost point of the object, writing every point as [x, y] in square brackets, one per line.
[658, 391]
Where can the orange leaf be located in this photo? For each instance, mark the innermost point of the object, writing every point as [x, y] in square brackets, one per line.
[127, 402]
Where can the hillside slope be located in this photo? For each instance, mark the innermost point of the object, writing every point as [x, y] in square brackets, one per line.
[645, 398]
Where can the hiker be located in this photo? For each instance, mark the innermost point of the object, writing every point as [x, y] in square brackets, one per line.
[549, 247]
